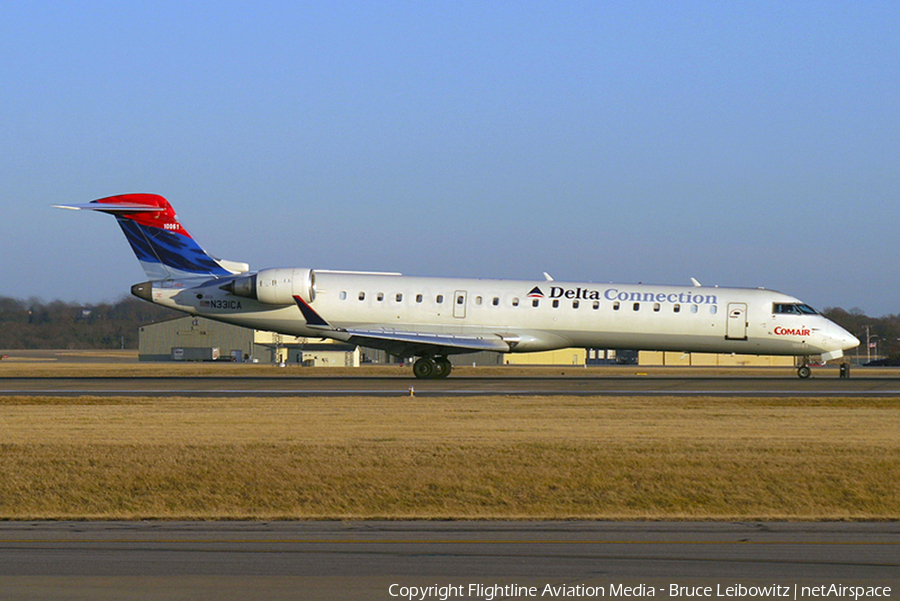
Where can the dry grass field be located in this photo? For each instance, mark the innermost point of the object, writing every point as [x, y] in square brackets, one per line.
[485, 457]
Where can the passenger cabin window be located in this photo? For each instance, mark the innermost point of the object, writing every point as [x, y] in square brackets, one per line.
[575, 304]
[713, 309]
[380, 296]
[478, 300]
[418, 298]
[343, 295]
[496, 301]
[399, 297]
[460, 299]
[439, 299]
[656, 307]
[596, 305]
[555, 303]
[616, 306]
[676, 308]
[515, 301]
[536, 302]
[362, 296]
[694, 308]
[637, 306]
[792, 309]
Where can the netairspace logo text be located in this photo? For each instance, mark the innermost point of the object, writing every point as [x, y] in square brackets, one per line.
[490, 592]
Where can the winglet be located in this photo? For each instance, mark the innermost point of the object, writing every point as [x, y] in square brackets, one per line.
[312, 318]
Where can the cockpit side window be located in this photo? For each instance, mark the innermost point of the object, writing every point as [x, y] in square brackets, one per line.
[792, 309]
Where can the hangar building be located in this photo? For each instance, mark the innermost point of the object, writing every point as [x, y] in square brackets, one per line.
[198, 338]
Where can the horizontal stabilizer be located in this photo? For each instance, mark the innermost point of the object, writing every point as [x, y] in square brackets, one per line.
[163, 247]
[117, 209]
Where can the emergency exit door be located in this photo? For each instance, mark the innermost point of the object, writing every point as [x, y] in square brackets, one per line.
[459, 304]
[736, 326]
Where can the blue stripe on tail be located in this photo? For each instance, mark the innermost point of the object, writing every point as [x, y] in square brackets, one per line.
[169, 250]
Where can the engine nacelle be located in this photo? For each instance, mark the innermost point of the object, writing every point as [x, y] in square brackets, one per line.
[276, 286]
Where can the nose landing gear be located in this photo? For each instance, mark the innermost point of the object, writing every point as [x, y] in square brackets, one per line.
[432, 368]
[804, 370]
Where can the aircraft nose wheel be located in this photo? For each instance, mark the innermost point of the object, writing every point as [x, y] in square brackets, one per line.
[428, 368]
[804, 371]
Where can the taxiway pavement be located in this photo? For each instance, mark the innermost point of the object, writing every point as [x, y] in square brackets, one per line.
[237, 386]
[362, 560]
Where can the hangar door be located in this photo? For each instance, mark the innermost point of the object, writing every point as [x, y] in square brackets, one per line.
[736, 326]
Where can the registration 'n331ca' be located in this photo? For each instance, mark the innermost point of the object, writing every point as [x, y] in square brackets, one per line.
[431, 318]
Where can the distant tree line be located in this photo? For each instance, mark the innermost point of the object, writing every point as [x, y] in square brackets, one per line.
[34, 324]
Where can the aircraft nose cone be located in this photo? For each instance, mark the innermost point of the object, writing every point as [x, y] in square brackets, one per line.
[850, 341]
[845, 339]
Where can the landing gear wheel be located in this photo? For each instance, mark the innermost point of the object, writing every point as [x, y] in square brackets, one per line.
[443, 367]
[425, 368]
[804, 371]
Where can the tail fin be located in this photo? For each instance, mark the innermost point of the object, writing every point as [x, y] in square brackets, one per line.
[163, 247]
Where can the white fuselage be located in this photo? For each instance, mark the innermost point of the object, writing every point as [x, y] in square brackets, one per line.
[528, 315]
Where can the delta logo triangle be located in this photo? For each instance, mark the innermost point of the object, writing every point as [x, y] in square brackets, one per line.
[536, 293]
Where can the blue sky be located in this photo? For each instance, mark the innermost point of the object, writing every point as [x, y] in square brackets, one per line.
[741, 143]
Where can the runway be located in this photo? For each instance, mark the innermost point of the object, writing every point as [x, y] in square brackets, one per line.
[261, 386]
[388, 560]
[375, 560]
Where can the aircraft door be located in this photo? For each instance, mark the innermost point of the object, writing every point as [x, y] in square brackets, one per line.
[459, 304]
[736, 326]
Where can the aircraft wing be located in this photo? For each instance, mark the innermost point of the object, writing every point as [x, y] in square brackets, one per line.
[405, 343]
[413, 344]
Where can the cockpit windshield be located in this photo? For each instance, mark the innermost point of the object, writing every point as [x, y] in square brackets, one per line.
[793, 309]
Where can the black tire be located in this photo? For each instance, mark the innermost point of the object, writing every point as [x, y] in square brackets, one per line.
[444, 367]
[804, 371]
[424, 368]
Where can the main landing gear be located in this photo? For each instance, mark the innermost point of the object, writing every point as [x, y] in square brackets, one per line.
[432, 368]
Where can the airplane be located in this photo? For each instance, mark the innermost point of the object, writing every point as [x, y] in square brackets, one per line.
[432, 318]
